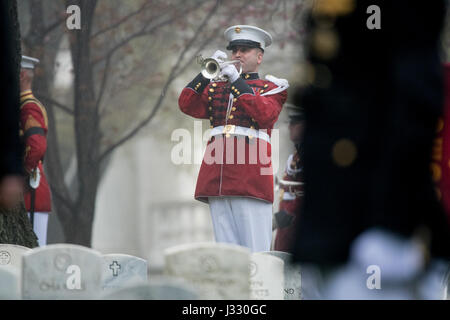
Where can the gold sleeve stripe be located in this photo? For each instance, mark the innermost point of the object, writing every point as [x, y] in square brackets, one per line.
[26, 92]
[25, 97]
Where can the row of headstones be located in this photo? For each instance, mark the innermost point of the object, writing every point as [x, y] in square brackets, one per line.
[192, 271]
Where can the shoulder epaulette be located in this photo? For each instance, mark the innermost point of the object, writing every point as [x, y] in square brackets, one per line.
[282, 84]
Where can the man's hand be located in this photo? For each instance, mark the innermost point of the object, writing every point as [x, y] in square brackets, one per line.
[230, 72]
[219, 56]
[11, 190]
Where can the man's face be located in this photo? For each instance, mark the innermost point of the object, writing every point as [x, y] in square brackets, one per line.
[296, 131]
[250, 58]
[25, 78]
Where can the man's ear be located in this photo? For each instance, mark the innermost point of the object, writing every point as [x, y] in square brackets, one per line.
[23, 74]
[260, 56]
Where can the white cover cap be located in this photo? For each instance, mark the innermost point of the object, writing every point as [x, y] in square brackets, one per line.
[28, 62]
[246, 35]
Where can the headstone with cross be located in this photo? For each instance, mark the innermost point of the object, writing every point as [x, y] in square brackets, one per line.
[292, 276]
[266, 277]
[62, 271]
[215, 270]
[121, 270]
[115, 267]
[11, 255]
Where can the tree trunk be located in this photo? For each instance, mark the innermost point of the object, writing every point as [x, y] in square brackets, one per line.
[15, 227]
[87, 126]
[37, 47]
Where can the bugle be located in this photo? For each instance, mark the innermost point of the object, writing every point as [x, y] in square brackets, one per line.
[211, 68]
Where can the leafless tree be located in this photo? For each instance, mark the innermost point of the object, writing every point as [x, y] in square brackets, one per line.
[110, 32]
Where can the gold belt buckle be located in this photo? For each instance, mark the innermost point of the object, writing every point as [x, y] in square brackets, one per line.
[229, 130]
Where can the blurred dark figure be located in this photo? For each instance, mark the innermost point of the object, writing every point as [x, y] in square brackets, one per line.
[291, 185]
[15, 228]
[370, 206]
[441, 152]
[11, 183]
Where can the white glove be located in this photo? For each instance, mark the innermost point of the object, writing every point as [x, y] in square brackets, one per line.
[220, 56]
[230, 72]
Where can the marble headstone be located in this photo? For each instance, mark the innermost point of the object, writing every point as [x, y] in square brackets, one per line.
[160, 289]
[447, 285]
[215, 270]
[11, 255]
[62, 271]
[121, 270]
[292, 276]
[266, 277]
[9, 283]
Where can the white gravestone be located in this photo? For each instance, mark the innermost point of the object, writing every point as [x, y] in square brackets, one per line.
[266, 277]
[121, 270]
[62, 271]
[9, 283]
[215, 270]
[160, 289]
[292, 276]
[11, 255]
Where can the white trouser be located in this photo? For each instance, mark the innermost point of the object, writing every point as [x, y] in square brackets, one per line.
[243, 221]
[40, 227]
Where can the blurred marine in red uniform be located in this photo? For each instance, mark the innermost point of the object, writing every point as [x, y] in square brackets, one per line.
[33, 130]
[236, 176]
[291, 186]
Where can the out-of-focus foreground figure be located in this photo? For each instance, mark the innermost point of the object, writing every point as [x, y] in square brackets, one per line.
[372, 225]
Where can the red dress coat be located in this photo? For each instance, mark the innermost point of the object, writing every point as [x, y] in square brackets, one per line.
[33, 130]
[285, 236]
[226, 169]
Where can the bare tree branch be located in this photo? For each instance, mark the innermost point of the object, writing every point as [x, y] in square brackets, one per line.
[55, 103]
[121, 21]
[53, 26]
[103, 84]
[171, 77]
[144, 31]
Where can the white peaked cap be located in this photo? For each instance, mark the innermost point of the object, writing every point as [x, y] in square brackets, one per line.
[245, 35]
[28, 62]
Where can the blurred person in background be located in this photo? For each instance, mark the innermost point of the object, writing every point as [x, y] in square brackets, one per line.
[33, 130]
[372, 226]
[291, 185]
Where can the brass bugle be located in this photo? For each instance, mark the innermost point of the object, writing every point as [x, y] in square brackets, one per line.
[211, 68]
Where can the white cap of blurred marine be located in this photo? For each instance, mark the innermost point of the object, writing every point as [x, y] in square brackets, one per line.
[28, 62]
[249, 36]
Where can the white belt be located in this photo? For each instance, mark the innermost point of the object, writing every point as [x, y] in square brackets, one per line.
[289, 196]
[237, 130]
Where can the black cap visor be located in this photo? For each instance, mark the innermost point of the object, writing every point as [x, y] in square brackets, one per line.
[244, 43]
